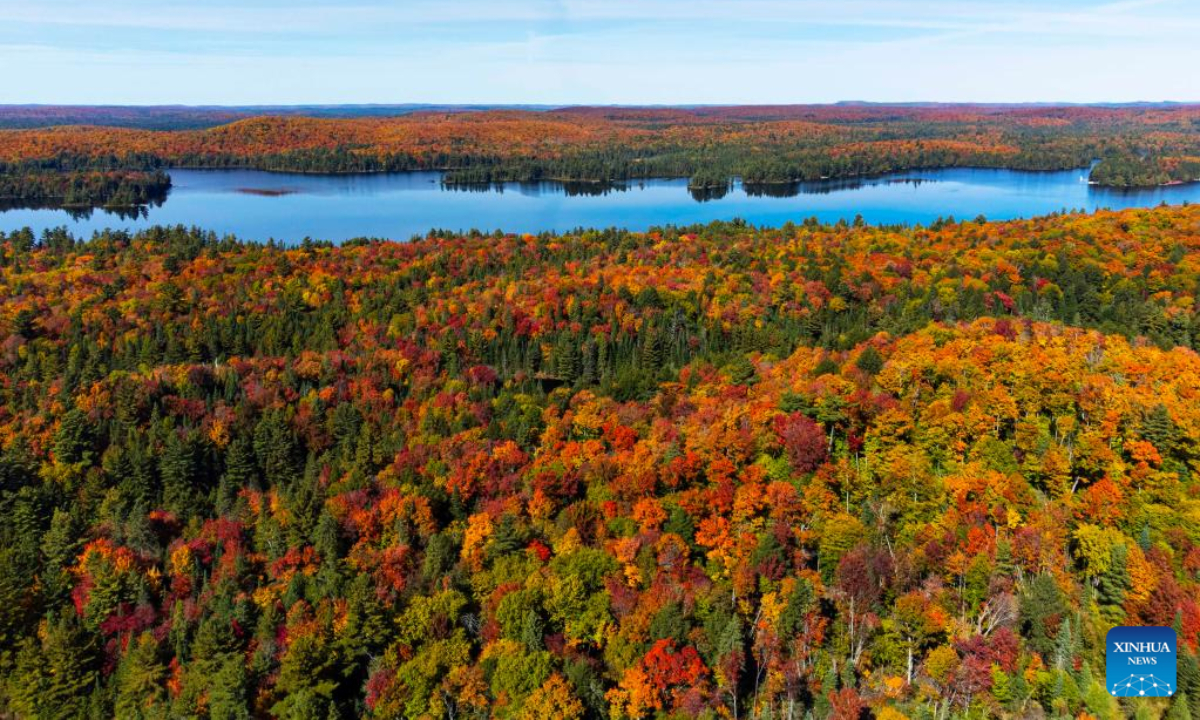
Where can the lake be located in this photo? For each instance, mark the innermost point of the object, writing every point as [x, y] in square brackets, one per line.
[289, 207]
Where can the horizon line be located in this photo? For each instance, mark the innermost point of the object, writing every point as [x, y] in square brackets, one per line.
[555, 106]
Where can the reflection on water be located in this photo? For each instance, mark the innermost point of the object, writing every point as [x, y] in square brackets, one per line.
[708, 193]
[540, 188]
[10, 207]
[267, 192]
[825, 187]
[289, 207]
[699, 194]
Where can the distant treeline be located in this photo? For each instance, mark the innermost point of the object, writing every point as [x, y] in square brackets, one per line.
[1134, 146]
[710, 168]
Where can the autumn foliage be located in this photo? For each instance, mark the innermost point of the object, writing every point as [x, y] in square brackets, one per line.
[765, 146]
[707, 472]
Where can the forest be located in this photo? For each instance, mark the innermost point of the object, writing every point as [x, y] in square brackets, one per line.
[766, 147]
[828, 471]
[25, 187]
[1131, 170]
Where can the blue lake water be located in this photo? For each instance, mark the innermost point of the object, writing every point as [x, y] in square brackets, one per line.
[289, 207]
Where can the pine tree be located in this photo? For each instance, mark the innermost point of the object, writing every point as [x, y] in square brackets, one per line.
[69, 657]
[652, 354]
[228, 699]
[139, 535]
[365, 450]
[305, 684]
[276, 450]
[143, 480]
[567, 361]
[177, 466]
[73, 442]
[1097, 699]
[1180, 708]
[1064, 647]
[1004, 565]
[59, 546]
[869, 361]
[588, 375]
[1041, 600]
[1113, 583]
[327, 543]
[140, 680]
[305, 500]
[1188, 677]
[1002, 688]
[1160, 429]
[25, 681]
[241, 472]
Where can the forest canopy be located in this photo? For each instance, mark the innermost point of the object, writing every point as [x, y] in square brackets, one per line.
[716, 471]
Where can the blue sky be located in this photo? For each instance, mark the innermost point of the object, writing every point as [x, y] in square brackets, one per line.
[596, 51]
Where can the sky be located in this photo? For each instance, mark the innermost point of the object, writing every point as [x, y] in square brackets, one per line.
[562, 52]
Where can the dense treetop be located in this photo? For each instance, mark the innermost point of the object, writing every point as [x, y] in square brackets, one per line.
[714, 471]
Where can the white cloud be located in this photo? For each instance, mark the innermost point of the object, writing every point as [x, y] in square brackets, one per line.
[588, 51]
[1123, 18]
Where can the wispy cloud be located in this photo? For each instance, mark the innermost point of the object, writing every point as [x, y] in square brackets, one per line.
[596, 50]
[1125, 18]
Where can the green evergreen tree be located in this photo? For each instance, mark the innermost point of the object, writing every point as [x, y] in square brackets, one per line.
[229, 698]
[74, 441]
[869, 361]
[178, 468]
[141, 681]
[1180, 708]
[1112, 585]
[69, 659]
[276, 449]
[59, 547]
[1040, 600]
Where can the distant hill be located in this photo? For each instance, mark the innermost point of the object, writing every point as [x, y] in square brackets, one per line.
[191, 117]
[1137, 146]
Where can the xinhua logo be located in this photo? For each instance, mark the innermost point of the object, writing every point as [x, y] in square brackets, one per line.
[1140, 661]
